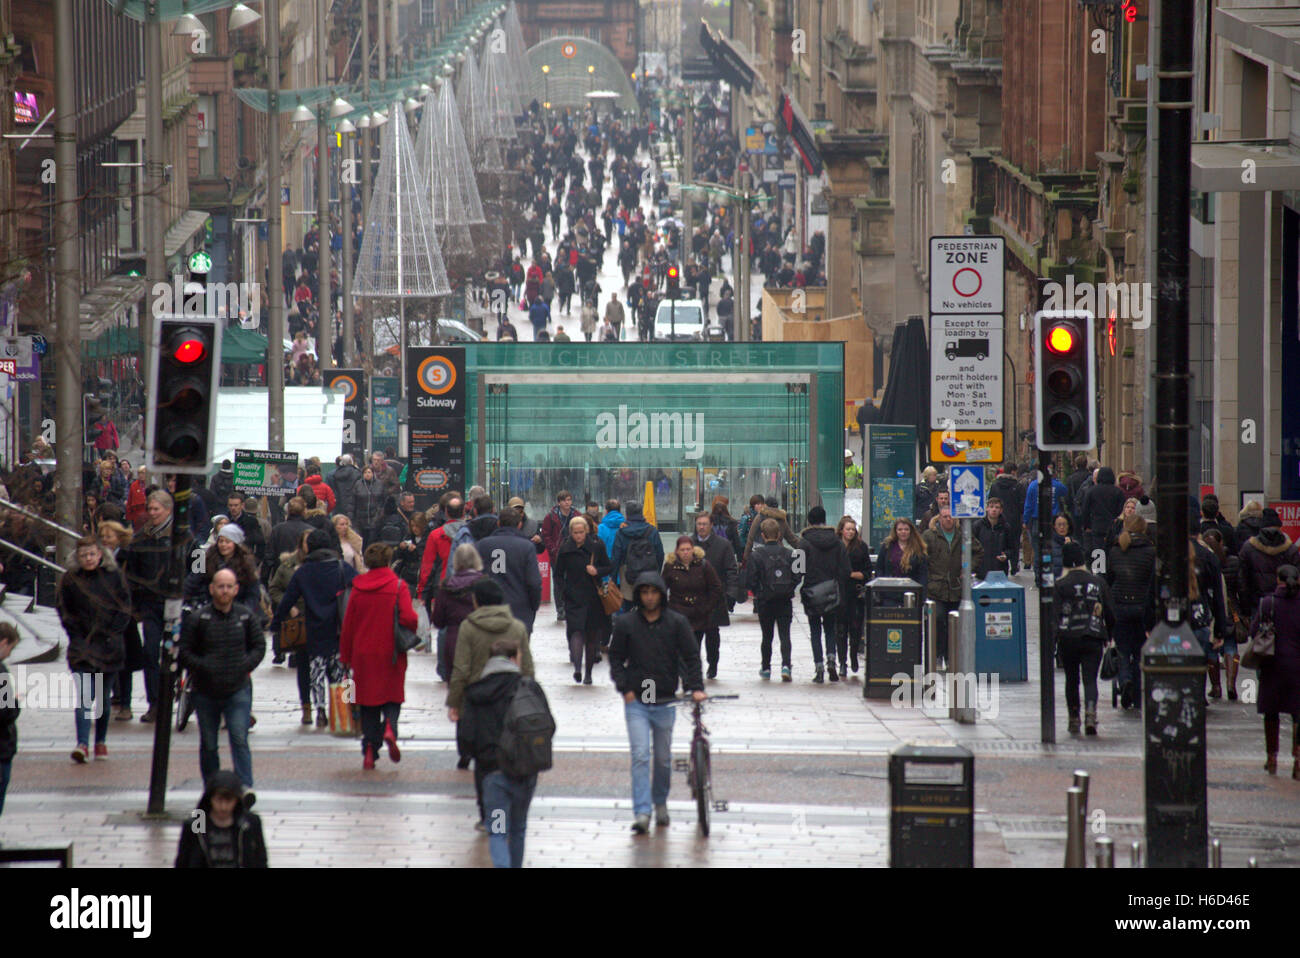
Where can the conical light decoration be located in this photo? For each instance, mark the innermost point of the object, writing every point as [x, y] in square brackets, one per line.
[517, 51]
[499, 96]
[483, 146]
[399, 252]
[446, 169]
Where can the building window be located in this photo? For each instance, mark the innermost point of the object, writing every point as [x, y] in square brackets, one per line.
[206, 114]
[1295, 115]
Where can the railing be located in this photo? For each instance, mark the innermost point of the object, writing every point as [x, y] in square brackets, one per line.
[37, 517]
[53, 566]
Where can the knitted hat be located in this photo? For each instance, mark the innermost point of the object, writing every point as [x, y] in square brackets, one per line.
[232, 532]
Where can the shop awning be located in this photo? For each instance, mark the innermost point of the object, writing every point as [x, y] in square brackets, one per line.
[190, 222]
[239, 347]
[1223, 167]
[796, 124]
[726, 56]
[106, 304]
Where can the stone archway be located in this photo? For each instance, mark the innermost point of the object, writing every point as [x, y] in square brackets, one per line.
[568, 79]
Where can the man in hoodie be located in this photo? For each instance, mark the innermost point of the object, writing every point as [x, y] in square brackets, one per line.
[943, 543]
[437, 548]
[505, 797]
[1261, 556]
[222, 832]
[489, 623]
[554, 528]
[610, 525]
[341, 482]
[652, 646]
[637, 550]
[511, 560]
[319, 486]
[825, 560]
[221, 644]
[1101, 505]
[768, 510]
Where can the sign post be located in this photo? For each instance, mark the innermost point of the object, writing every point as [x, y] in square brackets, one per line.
[967, 491]
[436, 378]
[966, 348]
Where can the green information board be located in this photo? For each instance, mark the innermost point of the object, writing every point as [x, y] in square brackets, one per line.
[385, 391]
[888, 479]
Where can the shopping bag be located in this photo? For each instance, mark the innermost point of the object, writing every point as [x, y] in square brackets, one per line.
[341, 720]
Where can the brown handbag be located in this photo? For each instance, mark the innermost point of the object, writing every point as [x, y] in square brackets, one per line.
[293, 634]
[611, 596]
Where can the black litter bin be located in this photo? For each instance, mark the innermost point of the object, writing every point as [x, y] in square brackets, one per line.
[894, 645]
[931, 807]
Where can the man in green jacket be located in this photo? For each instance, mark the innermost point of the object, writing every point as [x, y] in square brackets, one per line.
[943, 545]
[490, 621]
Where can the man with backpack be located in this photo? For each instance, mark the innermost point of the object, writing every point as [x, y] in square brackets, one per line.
[507, 727]
[637, 550]
[651, 647]
[435, 564]
[770, 575]
[1085, 616]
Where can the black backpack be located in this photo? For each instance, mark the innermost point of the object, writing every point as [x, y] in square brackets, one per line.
[776, 578]
[641, 556]
[524, 747]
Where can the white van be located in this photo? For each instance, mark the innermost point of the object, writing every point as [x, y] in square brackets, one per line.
[682, 321]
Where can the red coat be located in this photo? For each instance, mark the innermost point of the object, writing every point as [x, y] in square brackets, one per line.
[366, 643]
[137, 512]
[324, 494]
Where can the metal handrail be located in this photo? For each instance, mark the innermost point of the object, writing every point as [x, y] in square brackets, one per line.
[5, 503]
[5, 543]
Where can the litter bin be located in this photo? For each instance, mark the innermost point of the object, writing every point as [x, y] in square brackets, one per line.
[931, 807]
[1001, 642]
[893, 646]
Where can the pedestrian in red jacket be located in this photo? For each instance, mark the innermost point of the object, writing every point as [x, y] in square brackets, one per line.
[366, 646]
[319, 486]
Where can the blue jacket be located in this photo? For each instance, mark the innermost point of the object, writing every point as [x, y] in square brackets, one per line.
[1060, 494]
[318, 581]
[522, 579]
[634, 529]
[539, 314]
[608, 528]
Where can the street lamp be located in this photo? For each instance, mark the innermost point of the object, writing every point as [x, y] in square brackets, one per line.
[188, 25]
[241, 15]
[302, 114]
[339, 108]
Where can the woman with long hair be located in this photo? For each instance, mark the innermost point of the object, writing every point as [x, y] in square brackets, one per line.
[115, 539]
[350, 543]
[860, 565]
[903, 554]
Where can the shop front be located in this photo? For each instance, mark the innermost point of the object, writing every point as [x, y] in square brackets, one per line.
[695, 420]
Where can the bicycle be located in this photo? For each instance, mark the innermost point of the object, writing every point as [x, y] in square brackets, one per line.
[698, 766]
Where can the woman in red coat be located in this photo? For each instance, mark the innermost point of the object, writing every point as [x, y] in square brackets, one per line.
[366, 646]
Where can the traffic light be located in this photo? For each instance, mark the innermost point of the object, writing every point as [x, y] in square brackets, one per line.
[184, 376]
[674, 282]
[1065, 380]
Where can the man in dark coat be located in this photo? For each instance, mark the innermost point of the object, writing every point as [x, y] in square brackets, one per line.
[146, 567]
[554, 528]
[719, 554]
[1261, 557]
[825, 560]
[1249, 522]
[511, 560]
[254, 538]
[342, 481]
[993, 533]
[1102, 504]
[286, 535]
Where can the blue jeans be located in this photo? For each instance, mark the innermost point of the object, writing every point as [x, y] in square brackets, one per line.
[5, 769]
[236, 708]
[506, 801]
[641, 720]
[93, 690]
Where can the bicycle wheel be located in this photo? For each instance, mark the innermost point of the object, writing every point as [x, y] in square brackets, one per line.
[184, 705]
[703, 784]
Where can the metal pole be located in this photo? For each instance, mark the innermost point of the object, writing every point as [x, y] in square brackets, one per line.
[1135, 855]
[364, 307]
[67, 279]
[1081, 781]
[325, 299]
[275, 326]
[155, 221]
[1074, 849]
[931, 636]
[345, 267]
[743, 305]
[688, 176]
[1044, 580]
[1105, 851]
[1216, 854]
[961, 646]
[162, 729]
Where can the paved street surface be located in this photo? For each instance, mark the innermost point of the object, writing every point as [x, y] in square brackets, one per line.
[803, 767]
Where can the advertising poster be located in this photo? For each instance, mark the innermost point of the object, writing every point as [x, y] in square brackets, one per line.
[263, 472]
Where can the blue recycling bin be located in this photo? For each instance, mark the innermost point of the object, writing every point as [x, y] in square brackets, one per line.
[1001, 640]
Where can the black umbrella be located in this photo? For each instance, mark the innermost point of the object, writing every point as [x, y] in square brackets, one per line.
[907, 390]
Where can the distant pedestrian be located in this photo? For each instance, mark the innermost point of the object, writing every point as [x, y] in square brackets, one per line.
[855, 603]
[1279, 676]
[581, 564]
[770, 575]
[453, 604]
[1131, 574]
[1085, 616]
[222, 832]
[825, 584]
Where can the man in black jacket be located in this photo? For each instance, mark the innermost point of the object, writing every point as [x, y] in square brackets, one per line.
[1006, 489]
[651, 647]
[824, 560]
[719, 554]
[286, 535]
[221, 645]
[512, 560]
[254, 538]
[1101, 506]
[993, 533]
[146, 568]
[222, 832]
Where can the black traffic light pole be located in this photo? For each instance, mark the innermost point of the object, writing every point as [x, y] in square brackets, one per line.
[1044, 580]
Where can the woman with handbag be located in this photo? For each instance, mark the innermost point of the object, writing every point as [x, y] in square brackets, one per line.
[291, 636]
[378, 604]
[1277, 624]
[694, 588]
[580, 564]
[320, 582]
[859, 576]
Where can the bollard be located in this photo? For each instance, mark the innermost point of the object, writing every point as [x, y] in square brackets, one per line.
[931, 636]
[1135, 853]
[1216, 854]
[952, 666]
[1074, 828]
[1252, 862]
[1081, 782]
[1105, 852]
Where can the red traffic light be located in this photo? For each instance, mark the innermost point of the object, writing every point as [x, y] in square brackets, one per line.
[1061, 339]
[672, 272]
[189, 351]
